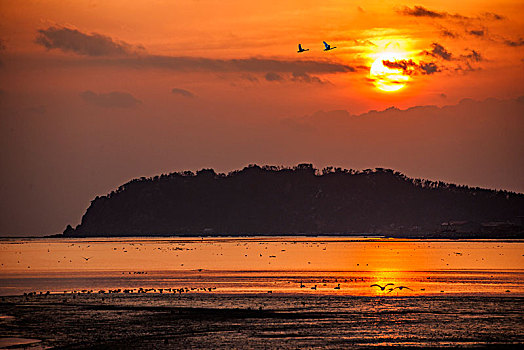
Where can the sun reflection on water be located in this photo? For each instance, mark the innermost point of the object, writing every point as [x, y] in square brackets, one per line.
[347, 266]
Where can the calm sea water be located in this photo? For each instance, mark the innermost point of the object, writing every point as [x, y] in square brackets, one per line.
[317, 266]
[297, 292]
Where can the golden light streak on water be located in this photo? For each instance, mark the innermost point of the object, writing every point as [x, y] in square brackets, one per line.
[261, 264]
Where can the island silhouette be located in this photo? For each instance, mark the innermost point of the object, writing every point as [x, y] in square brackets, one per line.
[301, 200]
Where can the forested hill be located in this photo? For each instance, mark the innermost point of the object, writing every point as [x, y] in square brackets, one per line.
[299, 200]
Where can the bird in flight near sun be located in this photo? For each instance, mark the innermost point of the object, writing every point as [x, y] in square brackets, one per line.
[300, 49]
[328, 47]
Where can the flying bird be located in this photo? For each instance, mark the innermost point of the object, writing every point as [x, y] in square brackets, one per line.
[381, 288]
[300, 49]
[86, 259]
[399, 288]
[328, 47]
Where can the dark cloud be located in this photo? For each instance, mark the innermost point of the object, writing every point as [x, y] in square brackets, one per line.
[298, 77]
[272, 76]
[409, 67]
[493, 16]
[98, 45]
[115, 99]
[514, 43]
[477, 32]
[448, 33]
[458, 21]
[202, 64]
[428, 68]
[466, 66]
[473, 56]
[72, 40]
[306, 78]
[252, 65]
[182, 92]
[438, 50]
[363, 68]
[419, 11]
[464, 61]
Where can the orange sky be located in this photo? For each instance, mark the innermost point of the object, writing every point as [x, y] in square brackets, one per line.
[243, 30]
[94, 93]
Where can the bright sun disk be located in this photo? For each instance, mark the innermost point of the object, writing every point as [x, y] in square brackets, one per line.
[386, 78]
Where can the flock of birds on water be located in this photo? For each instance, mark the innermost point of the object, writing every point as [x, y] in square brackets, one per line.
[181, 290]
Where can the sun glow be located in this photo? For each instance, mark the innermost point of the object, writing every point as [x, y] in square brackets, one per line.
[386, 78]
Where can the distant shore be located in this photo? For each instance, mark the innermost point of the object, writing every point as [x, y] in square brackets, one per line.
[434, 235]
[278, 201]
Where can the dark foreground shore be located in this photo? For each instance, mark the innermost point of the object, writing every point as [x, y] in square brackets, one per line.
[156, 321]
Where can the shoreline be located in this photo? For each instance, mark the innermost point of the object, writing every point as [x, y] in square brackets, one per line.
[432, 237]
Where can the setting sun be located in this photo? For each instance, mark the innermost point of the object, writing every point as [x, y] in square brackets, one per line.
[387, 78]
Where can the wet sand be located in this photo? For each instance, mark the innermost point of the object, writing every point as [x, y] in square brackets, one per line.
[262, 321]
[16, 342]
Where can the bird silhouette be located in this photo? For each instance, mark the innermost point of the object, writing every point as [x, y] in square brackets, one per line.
[399, 288]
[300, 49]
[86, 259]
[337, 287]
[328, 47]
[382, 288]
